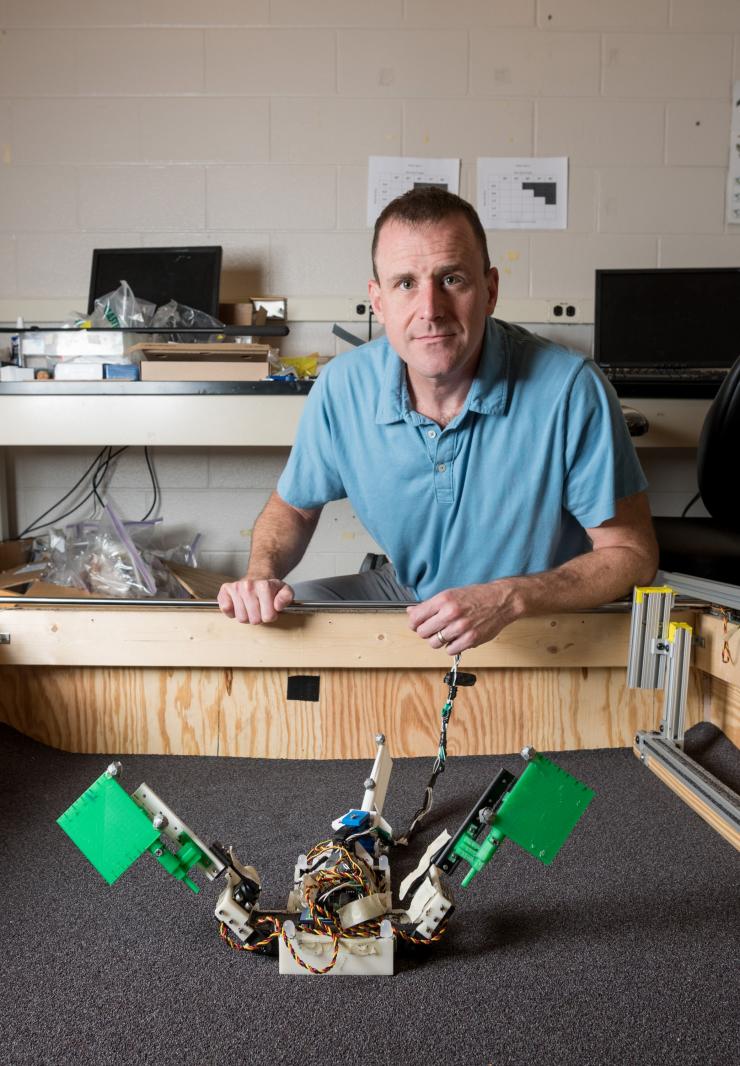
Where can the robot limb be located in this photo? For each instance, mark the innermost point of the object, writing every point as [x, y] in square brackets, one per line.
[239, 898]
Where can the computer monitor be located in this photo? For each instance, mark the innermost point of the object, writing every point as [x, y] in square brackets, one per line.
[189, 275]
[665, 316]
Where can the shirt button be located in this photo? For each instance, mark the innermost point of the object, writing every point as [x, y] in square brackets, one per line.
[441, 468]
[431, 433]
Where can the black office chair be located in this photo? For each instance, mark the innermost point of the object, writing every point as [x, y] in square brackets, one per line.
[710, 547]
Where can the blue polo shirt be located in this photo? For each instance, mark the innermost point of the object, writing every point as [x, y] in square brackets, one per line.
[538, 453]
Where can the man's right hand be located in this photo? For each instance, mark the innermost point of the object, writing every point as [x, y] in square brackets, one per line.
[254, 601]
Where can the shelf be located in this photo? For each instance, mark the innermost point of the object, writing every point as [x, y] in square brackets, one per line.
[673, 423]
[54, 389]
[187, 414]
[268, 330]
[228, 414]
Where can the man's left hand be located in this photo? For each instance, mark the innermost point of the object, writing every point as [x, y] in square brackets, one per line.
[462, 618]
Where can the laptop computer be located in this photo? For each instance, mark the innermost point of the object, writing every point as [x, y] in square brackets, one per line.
[667, 332]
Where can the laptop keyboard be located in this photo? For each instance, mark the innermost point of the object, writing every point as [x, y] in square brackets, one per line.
[665, 373]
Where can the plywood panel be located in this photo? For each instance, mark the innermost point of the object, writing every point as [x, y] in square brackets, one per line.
[724, 708]
[708, 655]
[550, 709]
[115, 710]
[247, 713]
[190, 636]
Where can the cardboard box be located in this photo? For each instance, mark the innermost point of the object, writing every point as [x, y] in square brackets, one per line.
[15, 571]
[236, 314]
[203, 371]
[182, 353]
[14, 553]
[49, 590]
[199, 583]
[19, 577]
[15, 581]
[270, 309]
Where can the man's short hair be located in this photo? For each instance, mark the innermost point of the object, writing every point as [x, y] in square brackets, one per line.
[418, 207]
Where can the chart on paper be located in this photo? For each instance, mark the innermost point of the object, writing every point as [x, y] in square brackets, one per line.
[390, 176]
[523, 193]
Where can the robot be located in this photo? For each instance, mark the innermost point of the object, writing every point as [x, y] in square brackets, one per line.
[339, 917]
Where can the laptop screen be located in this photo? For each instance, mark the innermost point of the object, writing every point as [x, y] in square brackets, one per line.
[189, 275]
[683, 318]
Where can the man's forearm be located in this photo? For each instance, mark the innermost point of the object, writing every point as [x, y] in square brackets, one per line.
[587, 581]
[625, 553]
[280, 538]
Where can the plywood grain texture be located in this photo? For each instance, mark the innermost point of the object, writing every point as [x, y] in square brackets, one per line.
[713, 637]
[247, 713]
[115, 710]
[724, 708]
[190, 636]
[506, 709]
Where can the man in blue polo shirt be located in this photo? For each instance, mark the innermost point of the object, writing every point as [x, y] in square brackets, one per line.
[493, 467]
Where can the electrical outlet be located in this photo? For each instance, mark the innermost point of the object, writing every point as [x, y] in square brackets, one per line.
[566, 311]
[359, 309]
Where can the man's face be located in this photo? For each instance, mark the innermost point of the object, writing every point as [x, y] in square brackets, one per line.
[433, 296]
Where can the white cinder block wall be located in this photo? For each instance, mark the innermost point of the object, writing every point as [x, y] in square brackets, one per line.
[248, 123]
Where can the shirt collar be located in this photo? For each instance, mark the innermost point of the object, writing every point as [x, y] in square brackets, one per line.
[393, 402]
[489, 389]
[488, 393]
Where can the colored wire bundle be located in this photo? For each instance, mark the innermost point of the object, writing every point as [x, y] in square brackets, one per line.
[330, 882]
[439, 762]
[263, 919]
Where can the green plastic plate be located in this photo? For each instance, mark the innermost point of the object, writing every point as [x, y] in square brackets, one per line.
[108, 828]
[543, 807]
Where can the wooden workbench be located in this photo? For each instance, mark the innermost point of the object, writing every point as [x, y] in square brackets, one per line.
[189, 681]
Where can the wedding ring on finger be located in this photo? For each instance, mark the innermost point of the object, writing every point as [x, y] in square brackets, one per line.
[441, 638]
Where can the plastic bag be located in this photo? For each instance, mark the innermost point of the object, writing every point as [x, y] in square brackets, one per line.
[87, 557]
[92, 556]
[173, 315]
[61, 553]
[121, 309]
[181, 553]
[105, 559]
[299, 366]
